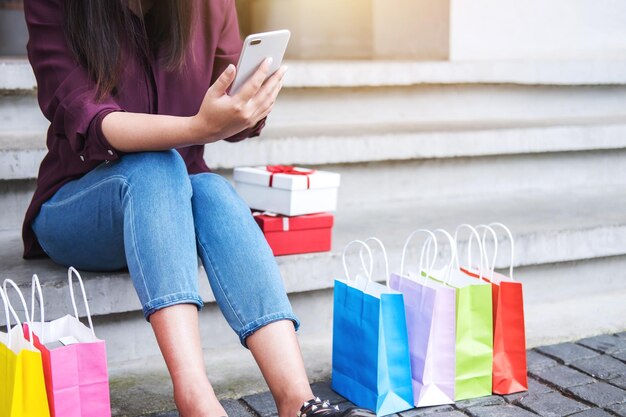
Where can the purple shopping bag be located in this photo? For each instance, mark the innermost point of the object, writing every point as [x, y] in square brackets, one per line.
[74, 359]
[431, 320]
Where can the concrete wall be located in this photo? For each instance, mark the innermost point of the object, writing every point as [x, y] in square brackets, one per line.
[537, 29]
[444, 29]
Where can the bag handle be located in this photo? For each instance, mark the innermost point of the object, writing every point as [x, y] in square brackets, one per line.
[5, 301]
[37, 285]
[508, 231]
[425, 252]
[494, 236]
[72, 271]
[452, 242]
[469, 251]
[384, 252]
[369, 252]
[406, 245]
[23, 301]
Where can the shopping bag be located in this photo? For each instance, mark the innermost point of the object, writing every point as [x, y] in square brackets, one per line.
[474, 329]
[430, 317]
[370, 359]
[74, 359]
[509, 335]
[22, 386]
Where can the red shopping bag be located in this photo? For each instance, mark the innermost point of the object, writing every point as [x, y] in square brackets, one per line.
[74, 359]
[509, 336]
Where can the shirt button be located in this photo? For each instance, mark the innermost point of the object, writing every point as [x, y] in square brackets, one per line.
[82, 158]
[110, 152]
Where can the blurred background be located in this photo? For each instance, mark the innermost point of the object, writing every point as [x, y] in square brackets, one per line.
[436, 113]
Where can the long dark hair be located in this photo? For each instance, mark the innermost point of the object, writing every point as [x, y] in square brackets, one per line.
[97, 29]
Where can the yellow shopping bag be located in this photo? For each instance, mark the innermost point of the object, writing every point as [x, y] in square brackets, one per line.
[22, 385]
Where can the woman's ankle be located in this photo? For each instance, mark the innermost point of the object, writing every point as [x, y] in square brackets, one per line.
[197, 399]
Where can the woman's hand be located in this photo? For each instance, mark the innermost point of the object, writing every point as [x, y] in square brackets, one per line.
[221, 116]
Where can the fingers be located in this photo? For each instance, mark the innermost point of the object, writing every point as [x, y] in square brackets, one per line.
[254, 83]
[226, 78]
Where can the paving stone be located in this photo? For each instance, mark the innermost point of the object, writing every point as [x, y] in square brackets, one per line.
[480, 402]
[499, 411]
[552, 404]
[235, 408]
[536, 361]
[604, 343]
[593, 412]
[619, 382]
[599, 393]
[325, 392]
[619, 409]
[621, 334]
[439, 410]
[534, 387]
[621, 355]
[166, 414]
[262, 404]
[567, 352]
[451, 414]
[603, 367]
[563, 377]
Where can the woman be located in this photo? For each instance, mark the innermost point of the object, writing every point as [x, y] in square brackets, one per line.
[134, 90]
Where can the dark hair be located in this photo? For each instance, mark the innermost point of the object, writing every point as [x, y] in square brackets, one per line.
[97, 29]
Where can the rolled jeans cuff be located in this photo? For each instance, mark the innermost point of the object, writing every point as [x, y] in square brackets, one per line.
[250, 328]
[169, 300]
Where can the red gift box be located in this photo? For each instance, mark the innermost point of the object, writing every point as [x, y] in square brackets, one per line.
[299, 234]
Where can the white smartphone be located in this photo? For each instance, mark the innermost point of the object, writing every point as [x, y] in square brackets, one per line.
[256, 48]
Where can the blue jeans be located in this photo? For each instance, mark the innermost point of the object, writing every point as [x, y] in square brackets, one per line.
[146, 213]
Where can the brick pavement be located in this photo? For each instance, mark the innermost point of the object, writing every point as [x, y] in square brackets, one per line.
[586, 378]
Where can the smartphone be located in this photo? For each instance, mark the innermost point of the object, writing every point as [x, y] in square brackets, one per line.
[256, 48]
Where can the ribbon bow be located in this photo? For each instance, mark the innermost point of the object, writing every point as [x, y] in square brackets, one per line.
[289, 170]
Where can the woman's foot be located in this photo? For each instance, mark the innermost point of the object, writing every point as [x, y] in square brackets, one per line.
[319, 408]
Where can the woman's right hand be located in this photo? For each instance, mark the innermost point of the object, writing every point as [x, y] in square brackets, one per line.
[222, 116]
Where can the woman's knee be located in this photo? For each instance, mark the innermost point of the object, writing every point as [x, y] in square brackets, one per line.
[215, 192]
[157, 172]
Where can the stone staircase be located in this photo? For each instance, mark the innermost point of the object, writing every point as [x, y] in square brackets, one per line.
[539, 146]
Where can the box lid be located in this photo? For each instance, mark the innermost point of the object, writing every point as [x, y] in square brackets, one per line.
[281, 178]
[270, 222]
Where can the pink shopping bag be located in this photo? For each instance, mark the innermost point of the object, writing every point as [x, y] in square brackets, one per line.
[74, 359]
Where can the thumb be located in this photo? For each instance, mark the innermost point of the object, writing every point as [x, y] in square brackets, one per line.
[224, 81]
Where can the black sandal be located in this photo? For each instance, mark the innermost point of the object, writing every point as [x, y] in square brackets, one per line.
[319, 408]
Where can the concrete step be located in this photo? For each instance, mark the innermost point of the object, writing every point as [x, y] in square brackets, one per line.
[16, 74]
[576, 226]
[504, 175]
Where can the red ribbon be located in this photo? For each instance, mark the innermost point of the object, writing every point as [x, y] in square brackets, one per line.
[289, 170]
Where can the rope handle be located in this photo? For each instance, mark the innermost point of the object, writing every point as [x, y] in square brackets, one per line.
[406, 245]
[23, 301]
[469, 248]
[510, 235]
[368, 272]
[5, 301]
[384, 252]
[70, 272]
[36, 285]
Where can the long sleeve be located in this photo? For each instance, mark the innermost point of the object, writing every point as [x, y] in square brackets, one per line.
[228, 50]
[66, 93]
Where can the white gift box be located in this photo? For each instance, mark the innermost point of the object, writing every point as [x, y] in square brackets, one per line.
[307, 192]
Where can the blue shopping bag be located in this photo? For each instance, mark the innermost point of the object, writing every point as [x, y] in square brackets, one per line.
[371, 364]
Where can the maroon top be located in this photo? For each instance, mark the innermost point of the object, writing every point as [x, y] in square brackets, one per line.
[66, 94]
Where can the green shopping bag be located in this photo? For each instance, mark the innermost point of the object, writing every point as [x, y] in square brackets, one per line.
[474, 329]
